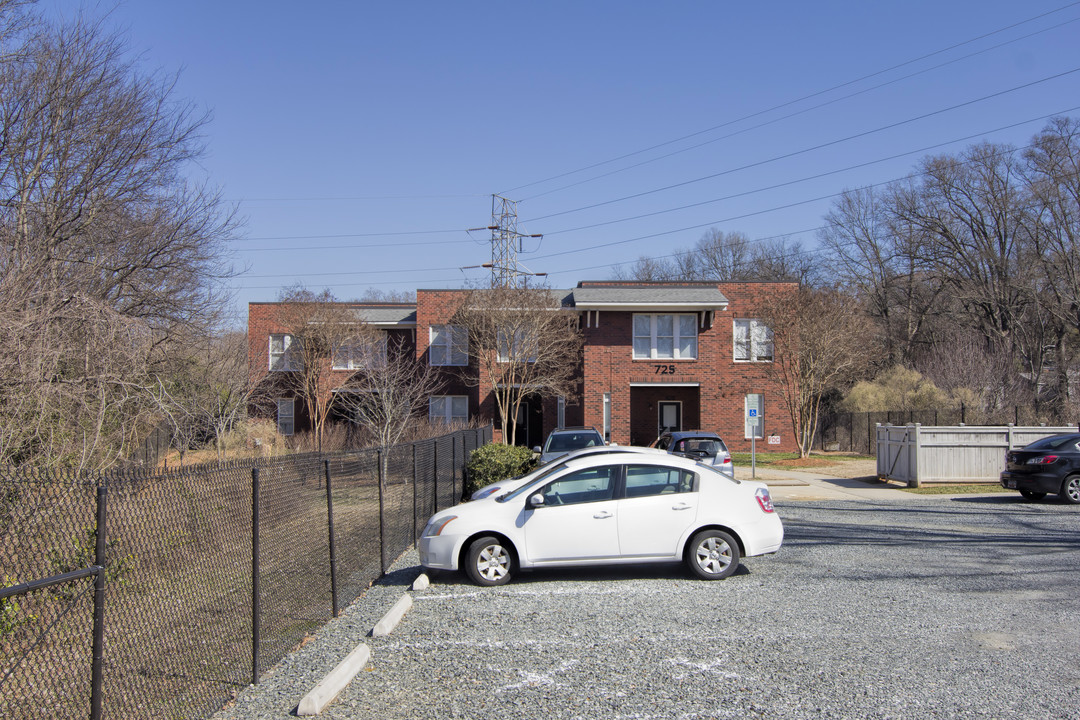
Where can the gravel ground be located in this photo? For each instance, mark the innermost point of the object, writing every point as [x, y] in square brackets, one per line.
[913, 608]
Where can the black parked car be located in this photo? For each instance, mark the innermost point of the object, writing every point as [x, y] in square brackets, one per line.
[1050, 465]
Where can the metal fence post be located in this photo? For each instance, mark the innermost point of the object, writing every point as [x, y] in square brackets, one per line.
[414, 528]
[435, 471]
[333, 544]
[255, 600]
[453, 468]
[382, 518]
[97, 676]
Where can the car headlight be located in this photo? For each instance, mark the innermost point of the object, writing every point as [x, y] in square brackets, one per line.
[435, 527]
[481, 494]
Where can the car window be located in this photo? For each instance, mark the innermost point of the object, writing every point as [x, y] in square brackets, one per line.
[1053, 443]
[590, 485]
[703, 447]
[648, 480]
[571, 441]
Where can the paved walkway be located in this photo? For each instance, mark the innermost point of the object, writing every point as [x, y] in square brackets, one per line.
[809, 485]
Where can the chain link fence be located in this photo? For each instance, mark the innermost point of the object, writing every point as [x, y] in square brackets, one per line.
[204, 587]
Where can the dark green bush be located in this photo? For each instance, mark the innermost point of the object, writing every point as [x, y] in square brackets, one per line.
[494, 462]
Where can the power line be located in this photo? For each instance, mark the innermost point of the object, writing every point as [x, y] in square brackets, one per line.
[811, 177]
[795, 101]
[819, 146]
[794, 114]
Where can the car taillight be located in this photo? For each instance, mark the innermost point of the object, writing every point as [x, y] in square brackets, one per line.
[1044, 460]
[764, 500]
[727, 461]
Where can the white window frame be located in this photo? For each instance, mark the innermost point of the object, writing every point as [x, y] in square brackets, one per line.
[446, 414]
[286, 416]
[560, 411]
[752, 424]
[454, 346]
[752, 341]
[358, 355]
[607, 417]
[281, 360]
[505, 348]
[676, 336]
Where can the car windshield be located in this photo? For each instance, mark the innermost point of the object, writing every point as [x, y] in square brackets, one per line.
[1053, 443]
[565, 442]
[539, 478]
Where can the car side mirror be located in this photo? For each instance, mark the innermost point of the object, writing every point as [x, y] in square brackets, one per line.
[536, 449]
[536, 500]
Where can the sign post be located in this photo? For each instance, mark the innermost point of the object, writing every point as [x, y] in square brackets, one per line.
[752, 413]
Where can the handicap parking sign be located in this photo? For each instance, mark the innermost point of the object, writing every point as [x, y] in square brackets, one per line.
[753, 412]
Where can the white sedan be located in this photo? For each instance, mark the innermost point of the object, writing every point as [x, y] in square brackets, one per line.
[605, 509]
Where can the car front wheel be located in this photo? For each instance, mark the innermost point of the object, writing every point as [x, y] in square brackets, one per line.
[1032, 495]
[713, 555]
[1070, 490]
[488, 562]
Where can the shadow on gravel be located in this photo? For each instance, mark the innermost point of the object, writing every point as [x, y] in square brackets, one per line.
[402, 577]
[657, 571]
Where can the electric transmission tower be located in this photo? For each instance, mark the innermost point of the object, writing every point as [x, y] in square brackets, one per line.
[506, 243]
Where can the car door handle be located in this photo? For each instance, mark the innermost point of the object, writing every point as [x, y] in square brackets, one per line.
[603, 514]
[681, 506]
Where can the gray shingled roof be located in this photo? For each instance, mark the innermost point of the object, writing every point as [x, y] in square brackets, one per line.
[649, 296]
[405, 315]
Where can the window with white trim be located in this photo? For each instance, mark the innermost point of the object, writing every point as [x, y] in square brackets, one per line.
[359, 354]
[448, 345]
[448, 408]
[523, 348]
[285, 416]
[607, 417]
[755, 423]
[753, 341]
[668, 337]
[282, 353]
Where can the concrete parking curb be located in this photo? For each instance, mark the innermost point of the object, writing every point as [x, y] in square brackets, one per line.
[421, 583]
[391, 619]
[334, 682]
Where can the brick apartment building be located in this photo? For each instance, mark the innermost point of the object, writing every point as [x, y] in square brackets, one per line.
[655, 356]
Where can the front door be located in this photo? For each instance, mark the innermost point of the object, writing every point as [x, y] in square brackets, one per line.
[670, 417]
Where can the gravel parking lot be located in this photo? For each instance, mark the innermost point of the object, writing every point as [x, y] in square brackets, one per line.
[915, 607]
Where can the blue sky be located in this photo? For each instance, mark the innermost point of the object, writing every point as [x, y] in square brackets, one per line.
[361, 140]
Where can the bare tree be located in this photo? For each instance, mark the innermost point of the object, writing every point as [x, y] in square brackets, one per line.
[821, 342]
[522, 344]
[386, 395]
[318, 326]
[106, 249]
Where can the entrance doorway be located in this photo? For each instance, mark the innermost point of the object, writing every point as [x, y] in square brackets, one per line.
[529, 423]
[669, 417]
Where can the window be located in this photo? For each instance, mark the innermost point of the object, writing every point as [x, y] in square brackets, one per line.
[665, 337]
[448, 408]
[448, 345]
[753, 341]
[646, 480]
[522, 349]
[755, 415]
[560, 412]
[591, 485]
[285, 410]
[283, 354]
[360, 354]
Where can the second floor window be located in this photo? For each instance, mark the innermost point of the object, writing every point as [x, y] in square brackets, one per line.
[359, 354]
[448, 408]
[448, 345]
[671, 337]
[282, 353]
[753, 341]
[520, 348]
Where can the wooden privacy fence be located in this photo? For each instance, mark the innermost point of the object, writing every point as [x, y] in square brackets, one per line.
[917, 454]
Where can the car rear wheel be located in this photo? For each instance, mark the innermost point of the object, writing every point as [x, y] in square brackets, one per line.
[488, 562]
[712, 555]
[1070, 490]
[1032, 495]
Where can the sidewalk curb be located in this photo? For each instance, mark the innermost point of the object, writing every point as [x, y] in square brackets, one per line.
[334, 682]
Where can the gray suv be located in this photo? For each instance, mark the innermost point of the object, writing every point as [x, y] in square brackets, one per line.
[702, 445]
[563, 440]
